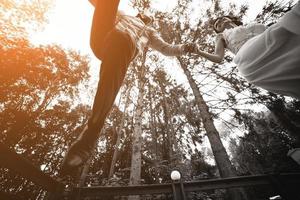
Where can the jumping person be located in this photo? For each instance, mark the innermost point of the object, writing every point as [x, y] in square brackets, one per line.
[116, 39]
[266, 57]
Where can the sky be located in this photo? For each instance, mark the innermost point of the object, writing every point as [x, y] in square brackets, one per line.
[69, 25]
[70, 22]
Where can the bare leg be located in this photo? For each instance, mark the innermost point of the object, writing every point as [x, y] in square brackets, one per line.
[118, 53]
[116, 58]
[104, 20]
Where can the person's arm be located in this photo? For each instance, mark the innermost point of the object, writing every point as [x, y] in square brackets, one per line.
[93, 2]
[218, 55]
[157, 43]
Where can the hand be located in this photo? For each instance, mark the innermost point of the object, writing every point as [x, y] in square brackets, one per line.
[190, 48]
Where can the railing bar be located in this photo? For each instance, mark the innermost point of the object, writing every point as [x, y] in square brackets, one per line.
[188, 186]
[15, 162]
[134, 190]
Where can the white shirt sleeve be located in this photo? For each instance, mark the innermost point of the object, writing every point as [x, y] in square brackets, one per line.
[157, 43]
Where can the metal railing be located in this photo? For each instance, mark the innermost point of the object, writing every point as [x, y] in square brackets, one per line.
[285, 184]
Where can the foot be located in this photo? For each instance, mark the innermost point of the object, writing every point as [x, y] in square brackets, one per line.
[77, 155]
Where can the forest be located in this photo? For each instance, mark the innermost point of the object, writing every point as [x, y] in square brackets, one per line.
[213, 124]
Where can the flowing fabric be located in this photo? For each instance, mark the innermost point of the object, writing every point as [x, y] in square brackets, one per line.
[270, 59]
[236, 37]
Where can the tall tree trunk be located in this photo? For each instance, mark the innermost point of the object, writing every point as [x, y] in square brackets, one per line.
[154, 134]
[221, 157]
[119, 135]
[136, 158]
[169, 133]
[84, 173]
[165, 142]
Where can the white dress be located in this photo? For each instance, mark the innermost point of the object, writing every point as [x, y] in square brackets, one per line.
[270, 59]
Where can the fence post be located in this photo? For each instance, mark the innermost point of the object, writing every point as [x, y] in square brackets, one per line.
[174, 191]
[178, 190]
[182, 190]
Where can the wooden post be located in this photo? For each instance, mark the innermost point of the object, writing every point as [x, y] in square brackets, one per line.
[182, 190]
[177, 191]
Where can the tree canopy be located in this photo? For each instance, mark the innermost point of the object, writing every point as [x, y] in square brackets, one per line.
[214, 124]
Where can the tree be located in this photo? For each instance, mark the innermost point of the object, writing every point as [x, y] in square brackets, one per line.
[136, 159]
[181, 30]
[37, 86]
[41, 111]
[263, 149]
[19, 18]
[119, 132]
